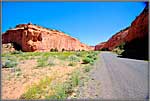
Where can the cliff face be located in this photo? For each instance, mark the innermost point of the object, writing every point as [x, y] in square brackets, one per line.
[35, 38]
[100, 46]
[137, 39]
[139, 27]
[114, 41]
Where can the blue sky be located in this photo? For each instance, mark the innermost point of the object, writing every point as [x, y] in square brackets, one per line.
[90, 22]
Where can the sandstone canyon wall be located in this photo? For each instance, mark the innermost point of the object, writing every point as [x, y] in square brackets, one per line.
[35, 38]
[114, 41]
[137, 39]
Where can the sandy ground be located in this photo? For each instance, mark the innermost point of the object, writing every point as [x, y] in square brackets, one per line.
[14, 86]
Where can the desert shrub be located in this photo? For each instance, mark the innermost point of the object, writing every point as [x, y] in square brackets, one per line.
[52, 50]
[63, 49]
[9, 64]
[37, 89]
[18, 73]
[17, 69]
[90, 56]
[87, 68]
[51, 62]
[121, 46]
[79, 54]
[55, 50]
[86, 60]
[73, 58]
[42, 62]
[60, 92]
[75, 79]
[72, 64]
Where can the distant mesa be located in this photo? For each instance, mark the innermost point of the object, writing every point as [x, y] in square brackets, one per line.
[30, 37]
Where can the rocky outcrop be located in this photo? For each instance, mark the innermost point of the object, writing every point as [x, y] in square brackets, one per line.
[114, 41]
[31, 38]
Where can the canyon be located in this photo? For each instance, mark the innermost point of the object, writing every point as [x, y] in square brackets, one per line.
[30, 37]
[135, 38]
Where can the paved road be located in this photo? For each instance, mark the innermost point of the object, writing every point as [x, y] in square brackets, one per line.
[117, 78]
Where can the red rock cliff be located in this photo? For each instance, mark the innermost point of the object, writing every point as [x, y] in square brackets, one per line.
[139, 27]
[137, 39]
[100, 46]
[137, 31]
[35, 38]
[114, 41]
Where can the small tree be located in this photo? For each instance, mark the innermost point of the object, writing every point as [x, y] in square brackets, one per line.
[52, 50]
[56, 50]
[63, 49]
[121, 46]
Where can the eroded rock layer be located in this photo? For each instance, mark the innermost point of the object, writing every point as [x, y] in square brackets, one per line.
[35, 38]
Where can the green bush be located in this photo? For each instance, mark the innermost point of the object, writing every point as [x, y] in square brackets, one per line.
[86, 60]
[90, 56]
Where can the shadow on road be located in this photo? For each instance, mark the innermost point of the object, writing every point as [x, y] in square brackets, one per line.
[129, 57]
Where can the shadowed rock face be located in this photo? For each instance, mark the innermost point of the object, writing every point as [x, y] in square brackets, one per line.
[137, 38]
[35, 38]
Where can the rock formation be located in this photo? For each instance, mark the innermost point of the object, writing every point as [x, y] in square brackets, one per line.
[100, 46]
[31, 38]
[114, 41]
[137, 39]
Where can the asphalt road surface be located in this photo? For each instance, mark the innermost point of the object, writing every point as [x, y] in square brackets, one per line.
[117, 78]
